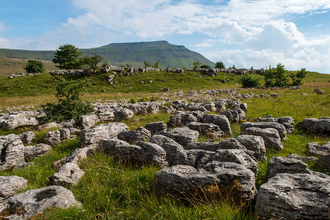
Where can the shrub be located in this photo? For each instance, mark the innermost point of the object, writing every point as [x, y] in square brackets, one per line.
[146, 64]
[104, 65]
[249, 80]
[156, 65]
[132, 101]
[276, 77]
[67, 56]
[90, 62]
[205, 66]
[297, 78]
[220, 65]
[34, 66]
[69, 105]
[196, 65]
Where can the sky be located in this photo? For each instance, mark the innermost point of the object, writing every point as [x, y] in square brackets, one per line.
[244, 33]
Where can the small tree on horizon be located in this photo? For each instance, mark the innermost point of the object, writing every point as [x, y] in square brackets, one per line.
[196, 65]
[67, 56]
[34, 66]
[220, 65]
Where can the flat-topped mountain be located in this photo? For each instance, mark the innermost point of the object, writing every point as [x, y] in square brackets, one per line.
[134, 54]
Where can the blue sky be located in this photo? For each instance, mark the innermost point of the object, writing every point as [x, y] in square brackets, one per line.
[246, 33]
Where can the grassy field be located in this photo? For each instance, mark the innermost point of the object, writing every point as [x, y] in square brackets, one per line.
[113, 191]
[14, 65]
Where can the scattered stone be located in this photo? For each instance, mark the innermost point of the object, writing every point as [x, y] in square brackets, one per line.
[304, 159]
[255, 144]
[294, 196]
[108, 145]
[279, 127]
[319, 126]
[36, 151]
[170, 146]
[206, 129]
[220, 120]
[88, 121]
[52, 138]
[229, 143]
[9, 185]
[11, 122]
[319, 91]
[68, 175]
[28, 204]
[49, 126]
[156, 127]
[11, 152]
[27, 137]
[140, 134]
[183, 135]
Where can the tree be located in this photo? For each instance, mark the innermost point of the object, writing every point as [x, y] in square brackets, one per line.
[90, 62]
[249, 80]
[276, 77]
[69, 105]
[34, 66]
[220, 65]
[205, 66]
[67, 56]
[156, 65]
[196, 65]
[146, 64]
[297, 78]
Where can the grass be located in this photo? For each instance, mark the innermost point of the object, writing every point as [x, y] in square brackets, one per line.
[113, 191]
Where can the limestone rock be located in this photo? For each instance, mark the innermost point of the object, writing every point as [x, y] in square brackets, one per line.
[68, 175]
[9, 185]
[11, 153]
[32, 202]
[156, 127]
[183, 135]
[88, 121]
[108, 145]
[206, 128]
[52, 137]
[279, 127]
[36, 151]
[27, 137]
[319, 126]
[140, 134]
[229, 143]
[255, 144]
[220, 120]
[10, 122]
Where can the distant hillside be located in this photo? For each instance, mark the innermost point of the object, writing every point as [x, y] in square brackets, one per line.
[134, 54]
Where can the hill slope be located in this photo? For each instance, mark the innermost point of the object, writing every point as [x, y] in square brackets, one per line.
[134, 54]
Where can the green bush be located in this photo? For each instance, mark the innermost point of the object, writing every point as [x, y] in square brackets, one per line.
[298, 77]
[249, 80]
[220, 65]
[276, 77]
[34, 66]
[69, 105]
[90, 62]
[196, 65]
[205, 66]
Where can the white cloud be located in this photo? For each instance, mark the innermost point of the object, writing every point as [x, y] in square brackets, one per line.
[2, 26]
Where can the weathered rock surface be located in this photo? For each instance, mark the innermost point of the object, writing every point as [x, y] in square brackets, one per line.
[183, 180]
[181, 118]
[67, 175]
[95, 134]
[32, 202]
[140, 134]
[11, 152]
[271, 137]
[279, 127]
[319, 126]
[295, 196]
[108, 145]
[52, 137]
[170, 146]
[285, 165]
[235, 115]
[228, 143]
[220, 120]
[287, 121]
[183, 135]
[156, 127]
[10, 122]
[322, 151]
[27, 137]
[88, 121]
[49, 125]
[255, 144]
[154, 153]
[76, 156]
[36, 151]
[304, 159]
[207, 129]
[9, 185]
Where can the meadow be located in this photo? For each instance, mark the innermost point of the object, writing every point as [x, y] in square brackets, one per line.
[114, 191]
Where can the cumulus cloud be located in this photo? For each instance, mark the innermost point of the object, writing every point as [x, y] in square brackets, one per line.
[2, 26]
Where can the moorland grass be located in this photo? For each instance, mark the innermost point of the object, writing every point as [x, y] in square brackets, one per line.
[112, 191]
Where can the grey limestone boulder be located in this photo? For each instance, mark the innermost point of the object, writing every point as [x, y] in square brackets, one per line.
[156, 127]
[106, 114]
[88, 121]
[122, 114]
[32, 202]
[190, 157]
[65, 133]
[69, 124]
[154, 153]
[170, 146]
[140, 134]
[271, 137]
[319, 126]
[181, 118]
[220, 120]
[206, 129]
[210, 106]
[287, 121]
[27, 137]
[294, 196]
[187, 181]
[108, 145]
[95, 134]
[304, 159]
[9, 185]
[228, 143]
[52, 137]
[279, 127]
[50, 125]
[183, 135]
[255, 144]
[285, 165]
[76, 156]
[36, 151]
[322, 151]
[10, 122]
[153, 107]
[11, 152]
[67, 175]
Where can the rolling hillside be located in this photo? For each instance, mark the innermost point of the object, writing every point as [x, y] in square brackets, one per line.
[134, 54]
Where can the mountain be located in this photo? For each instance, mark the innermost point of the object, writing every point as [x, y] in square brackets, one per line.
[134, 54]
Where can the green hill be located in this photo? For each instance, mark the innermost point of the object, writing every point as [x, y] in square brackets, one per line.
[134, 54]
